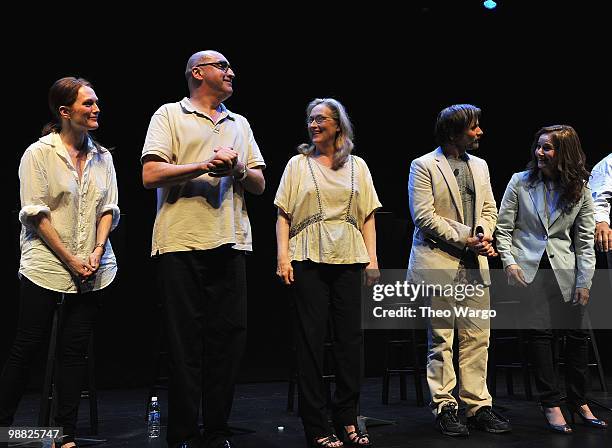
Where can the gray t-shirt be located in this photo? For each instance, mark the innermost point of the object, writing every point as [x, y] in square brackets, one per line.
[465, 181]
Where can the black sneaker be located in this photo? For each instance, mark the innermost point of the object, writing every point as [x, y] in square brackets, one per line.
[486, 419]
[448, 422]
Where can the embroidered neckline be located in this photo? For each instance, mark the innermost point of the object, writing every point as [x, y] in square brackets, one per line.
[320, 216]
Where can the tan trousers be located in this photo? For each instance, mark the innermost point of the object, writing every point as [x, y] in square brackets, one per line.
[473, 342]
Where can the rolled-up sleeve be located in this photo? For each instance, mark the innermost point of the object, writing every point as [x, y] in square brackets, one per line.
[33, 188]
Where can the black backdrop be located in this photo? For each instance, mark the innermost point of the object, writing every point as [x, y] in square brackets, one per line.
[524, 64]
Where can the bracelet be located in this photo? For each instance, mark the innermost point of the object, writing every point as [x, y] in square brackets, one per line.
[243, 175]
[102, 245]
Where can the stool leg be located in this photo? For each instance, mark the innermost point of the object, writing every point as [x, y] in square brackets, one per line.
[385, 388]
[402, 380]
[291, 393]
[509, 382]
[58, 359]
[47, 392]
[602, 378]
[525, 365]
[386, 377]
[92, 391]
[527, 382]
[418, 387]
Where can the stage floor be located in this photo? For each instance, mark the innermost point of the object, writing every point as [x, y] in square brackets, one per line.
[261, 408]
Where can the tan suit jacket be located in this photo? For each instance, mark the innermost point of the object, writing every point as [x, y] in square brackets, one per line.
[440, 234]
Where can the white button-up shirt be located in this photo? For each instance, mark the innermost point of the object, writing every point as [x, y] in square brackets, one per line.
[50, 184]
[601, 186]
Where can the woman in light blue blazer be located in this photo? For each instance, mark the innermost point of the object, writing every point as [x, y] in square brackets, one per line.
[544, 236]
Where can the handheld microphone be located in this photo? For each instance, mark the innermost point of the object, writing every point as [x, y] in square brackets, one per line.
[479, 229]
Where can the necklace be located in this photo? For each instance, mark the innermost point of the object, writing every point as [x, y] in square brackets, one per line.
[320, 215]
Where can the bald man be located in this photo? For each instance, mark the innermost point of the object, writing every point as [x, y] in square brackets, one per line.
[202, 158]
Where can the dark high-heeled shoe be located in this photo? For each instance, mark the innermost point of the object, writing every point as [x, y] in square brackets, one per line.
[594, 422]
[354, 438]
[563, 429]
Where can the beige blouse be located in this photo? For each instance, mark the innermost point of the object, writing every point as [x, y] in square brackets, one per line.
[50, 184]
[327, 209]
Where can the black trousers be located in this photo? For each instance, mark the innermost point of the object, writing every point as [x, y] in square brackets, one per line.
[204, 296]
[35, 317]
[609, 259]
[551, 317]
[321, 290]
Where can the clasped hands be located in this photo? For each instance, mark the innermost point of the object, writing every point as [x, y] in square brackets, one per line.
[84, 270]
[224, 163]
[481, 245]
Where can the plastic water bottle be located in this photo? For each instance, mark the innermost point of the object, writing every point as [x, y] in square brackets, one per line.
[154, 419]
